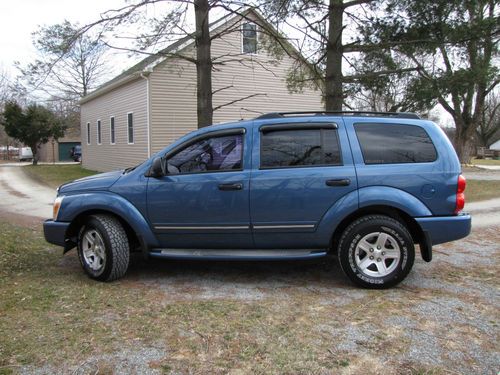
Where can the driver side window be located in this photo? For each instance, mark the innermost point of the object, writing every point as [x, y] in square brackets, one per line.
[210, 154]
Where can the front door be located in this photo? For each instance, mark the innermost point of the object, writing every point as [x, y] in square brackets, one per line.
[300, 172]
[203, 201]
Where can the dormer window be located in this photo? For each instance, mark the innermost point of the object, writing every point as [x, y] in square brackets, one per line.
[249, 39]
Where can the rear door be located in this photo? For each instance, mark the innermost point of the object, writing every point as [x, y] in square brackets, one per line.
[300, 171]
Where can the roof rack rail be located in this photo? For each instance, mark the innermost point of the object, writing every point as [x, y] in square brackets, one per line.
[408, 115]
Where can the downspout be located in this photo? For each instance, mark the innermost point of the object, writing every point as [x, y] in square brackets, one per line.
[145, 75]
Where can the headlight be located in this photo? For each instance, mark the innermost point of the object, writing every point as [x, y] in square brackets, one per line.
[56, 207]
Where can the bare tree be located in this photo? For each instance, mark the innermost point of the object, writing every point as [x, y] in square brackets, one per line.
[488, 131]
[169, 30]
[7, 92]
[69, 64]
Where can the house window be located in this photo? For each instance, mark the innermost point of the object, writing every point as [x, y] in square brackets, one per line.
[130, 127]
[249, 38]
[88, 133]
[112, 130]
[99, 135]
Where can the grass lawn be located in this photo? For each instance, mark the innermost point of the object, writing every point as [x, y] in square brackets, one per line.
[205, 319]
[485, 161]
[55, 175]
[479, 190]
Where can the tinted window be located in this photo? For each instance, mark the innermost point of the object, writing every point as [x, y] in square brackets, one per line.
[394, 143]
[211, 154]
[304, 147]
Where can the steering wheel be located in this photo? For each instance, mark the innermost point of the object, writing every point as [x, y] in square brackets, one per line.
[203, 161]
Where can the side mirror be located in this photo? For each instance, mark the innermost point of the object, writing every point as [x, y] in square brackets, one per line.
[157, 168]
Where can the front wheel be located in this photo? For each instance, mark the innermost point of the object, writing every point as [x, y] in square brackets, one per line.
[103, 248]
[376, 251]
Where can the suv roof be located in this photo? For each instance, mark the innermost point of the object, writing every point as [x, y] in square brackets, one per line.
[273, 115]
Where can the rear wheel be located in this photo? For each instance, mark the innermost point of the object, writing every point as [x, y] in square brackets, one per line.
[376, 251]
[103, 248]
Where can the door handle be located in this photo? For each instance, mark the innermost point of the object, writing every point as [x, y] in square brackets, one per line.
[339, 182]
[235, 186]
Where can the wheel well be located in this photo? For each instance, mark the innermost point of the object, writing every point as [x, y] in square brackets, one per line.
[410, 223]
[79, 221]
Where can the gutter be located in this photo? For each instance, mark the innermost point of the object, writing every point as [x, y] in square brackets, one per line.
[145, 75]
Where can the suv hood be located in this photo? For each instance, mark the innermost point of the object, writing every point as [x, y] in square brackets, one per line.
[101, 181]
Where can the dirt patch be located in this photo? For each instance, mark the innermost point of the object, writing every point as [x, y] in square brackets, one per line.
[9, 189]
[21, 220]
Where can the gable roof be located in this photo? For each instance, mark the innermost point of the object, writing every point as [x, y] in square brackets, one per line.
[146, 66]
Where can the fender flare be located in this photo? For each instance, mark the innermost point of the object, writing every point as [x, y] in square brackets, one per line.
[366, 197]
[75, 205]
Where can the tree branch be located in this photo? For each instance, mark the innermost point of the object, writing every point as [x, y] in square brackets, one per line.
[238, 100]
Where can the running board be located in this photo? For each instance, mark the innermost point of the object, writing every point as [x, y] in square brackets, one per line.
[237, 254]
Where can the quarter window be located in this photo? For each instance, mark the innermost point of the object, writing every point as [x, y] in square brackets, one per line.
[99, 135]
[299, 148]
[249, 39]
[130, 127]
[112, 130]
[210, 154]
[394, 143]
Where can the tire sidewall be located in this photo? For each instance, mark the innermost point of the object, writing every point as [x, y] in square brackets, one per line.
[348, 249]
[104, 273]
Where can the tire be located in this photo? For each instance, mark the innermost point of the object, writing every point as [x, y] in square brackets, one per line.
[376, 251]
[103, 248]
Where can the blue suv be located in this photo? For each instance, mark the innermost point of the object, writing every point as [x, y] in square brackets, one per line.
[363, 186]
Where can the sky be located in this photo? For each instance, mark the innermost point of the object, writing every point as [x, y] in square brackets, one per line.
[19, 18]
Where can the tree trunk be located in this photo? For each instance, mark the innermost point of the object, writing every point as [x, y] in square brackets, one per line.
[463, 141]
[333, 81]
[203, 64]
[34, 150]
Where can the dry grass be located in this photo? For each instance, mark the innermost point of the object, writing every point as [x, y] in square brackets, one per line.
[478, 190]
[308, 319]
[485, 161]
[55, 175]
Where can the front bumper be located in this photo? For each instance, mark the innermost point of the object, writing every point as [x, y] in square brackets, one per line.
[442, 229]
[55, 232]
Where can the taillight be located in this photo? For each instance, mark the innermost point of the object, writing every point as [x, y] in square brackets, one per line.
[461, 184]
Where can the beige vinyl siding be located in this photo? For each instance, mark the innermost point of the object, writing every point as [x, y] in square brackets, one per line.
[173, 90]
[131, 97]
[173, 102]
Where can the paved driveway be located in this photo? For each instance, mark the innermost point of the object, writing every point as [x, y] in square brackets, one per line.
[20, 194]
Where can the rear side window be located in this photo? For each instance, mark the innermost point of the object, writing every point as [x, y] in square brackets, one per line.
[299, 147]
[394, 143]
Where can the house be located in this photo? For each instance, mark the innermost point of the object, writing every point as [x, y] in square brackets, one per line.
[60, 150]
[152, 104]
[495, 146]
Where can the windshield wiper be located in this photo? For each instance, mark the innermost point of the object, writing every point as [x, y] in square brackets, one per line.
[129, 169]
